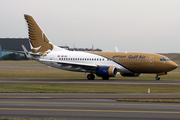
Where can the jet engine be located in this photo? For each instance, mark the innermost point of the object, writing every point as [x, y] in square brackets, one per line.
[130, 74]
[106, 71]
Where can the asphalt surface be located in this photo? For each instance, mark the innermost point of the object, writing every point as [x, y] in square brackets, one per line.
[88, 96]
[42, 106]
[96, 106]
[85, 81]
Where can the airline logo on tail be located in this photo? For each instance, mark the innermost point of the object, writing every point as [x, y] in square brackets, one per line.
[37, 38]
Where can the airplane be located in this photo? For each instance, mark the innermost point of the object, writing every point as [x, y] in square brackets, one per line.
[102, 64]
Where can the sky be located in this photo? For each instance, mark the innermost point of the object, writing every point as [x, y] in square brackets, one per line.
[132, 25]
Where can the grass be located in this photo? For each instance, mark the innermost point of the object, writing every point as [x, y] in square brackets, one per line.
[149, 100]
[85, 88]
[33, 69]
[177, 62]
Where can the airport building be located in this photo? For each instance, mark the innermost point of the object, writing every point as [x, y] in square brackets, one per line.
[7, 45]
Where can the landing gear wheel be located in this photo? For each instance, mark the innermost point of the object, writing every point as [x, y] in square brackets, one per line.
[90, 76]
[105, 78]
[157, 78]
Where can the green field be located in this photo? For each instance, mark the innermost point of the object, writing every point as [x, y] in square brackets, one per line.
[33, 69]
[149, 100]
[86, 88]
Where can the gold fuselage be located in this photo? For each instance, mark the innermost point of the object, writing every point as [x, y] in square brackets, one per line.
[141, 62]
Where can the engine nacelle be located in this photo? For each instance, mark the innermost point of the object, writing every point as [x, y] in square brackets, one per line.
[130, 74]
[108, 71]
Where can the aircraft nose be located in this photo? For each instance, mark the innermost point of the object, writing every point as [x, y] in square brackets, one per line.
[173, 65]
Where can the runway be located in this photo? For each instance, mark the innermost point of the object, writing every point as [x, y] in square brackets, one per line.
[96, 106]
[88, 96]
[85, 81]
[54, 105]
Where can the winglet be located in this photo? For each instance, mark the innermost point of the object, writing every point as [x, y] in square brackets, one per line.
[116, 49]
[28, 55]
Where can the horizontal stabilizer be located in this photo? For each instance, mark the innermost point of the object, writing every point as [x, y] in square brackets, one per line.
[28, 55]
[15, 51]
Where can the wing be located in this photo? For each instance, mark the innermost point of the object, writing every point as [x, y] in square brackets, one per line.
[74, 65]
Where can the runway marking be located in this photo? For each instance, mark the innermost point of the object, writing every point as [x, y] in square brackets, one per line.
[60, 103]
[76, 110]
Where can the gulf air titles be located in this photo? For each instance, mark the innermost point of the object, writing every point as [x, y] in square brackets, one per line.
[102, 64]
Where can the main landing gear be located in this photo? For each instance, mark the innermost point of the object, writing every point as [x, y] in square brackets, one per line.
[90, 76]
[105, 78]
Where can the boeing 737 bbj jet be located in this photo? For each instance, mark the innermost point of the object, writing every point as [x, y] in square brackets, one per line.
[102, 64]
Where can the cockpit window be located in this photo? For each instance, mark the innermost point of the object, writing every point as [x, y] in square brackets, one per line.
[163, 59]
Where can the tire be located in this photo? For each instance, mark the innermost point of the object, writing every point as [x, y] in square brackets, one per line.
[90, 76]
[105, 78]
[157, 78]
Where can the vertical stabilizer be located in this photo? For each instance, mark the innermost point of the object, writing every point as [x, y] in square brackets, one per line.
[38, 39]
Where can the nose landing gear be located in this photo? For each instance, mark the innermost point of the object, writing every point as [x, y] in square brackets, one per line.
[157, 77]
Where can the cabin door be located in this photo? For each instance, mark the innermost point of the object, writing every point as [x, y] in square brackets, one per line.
[151, 60]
